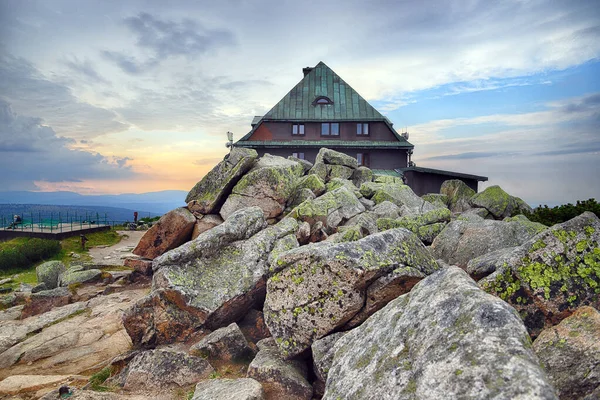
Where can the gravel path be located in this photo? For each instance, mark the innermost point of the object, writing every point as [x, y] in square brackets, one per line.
[115, 255]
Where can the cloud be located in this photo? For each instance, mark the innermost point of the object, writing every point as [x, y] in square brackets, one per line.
[28, 91]
[34, 152]
[469, 155]
[164, 39]
[86, 69]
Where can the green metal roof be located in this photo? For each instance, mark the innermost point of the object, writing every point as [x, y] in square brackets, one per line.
[324, 143]
[386, 172]
[442, 172]
[322, 81]
[347, 104]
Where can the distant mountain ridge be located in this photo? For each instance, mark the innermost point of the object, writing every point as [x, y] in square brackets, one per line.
[154, 202]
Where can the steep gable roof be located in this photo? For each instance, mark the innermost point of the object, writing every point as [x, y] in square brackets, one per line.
[321, 81]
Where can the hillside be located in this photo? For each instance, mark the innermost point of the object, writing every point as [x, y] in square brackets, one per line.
[153, 202]
[75, 212]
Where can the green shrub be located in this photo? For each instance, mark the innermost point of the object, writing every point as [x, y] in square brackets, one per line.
[25, 254]
[559, 214]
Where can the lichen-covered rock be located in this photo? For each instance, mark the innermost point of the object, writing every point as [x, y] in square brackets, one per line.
[458, 194]
[209, 193]
[484, 265]
[49, 272]
[445, 339]
[324, 285]
[172, 230]
[401, 195]
[366, 221]
[339, 172]
[335, 183]
[570, 353]
[77, 274]
[441, 200]
[307, 165]
[321, 170]
[521, 206]
[426, 226]
[461, 241]
[205, 223]
[387, 179]
[552, 274]
[163, 369]
[269, 185]
[332, 208]
[229, 389]
[499, 203]
[532, 227]
[361, 175]
[214, 286]
[332, 157]
[312, 182]
[280, 379]
[322, 352]
[301, 196]
[228, 344]
[368, 189]
[386, 209]
[474, 214]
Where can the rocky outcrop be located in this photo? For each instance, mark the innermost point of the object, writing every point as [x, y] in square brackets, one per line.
[228, 344]
[213, 280]
[229, 389]
[204, 223]
[361, 175]
[444, 339]
[172, 230]
[162, 369]
[426, 226]
[458, 195]
[331, 209]
[461, 241]
[77, 274]
[322, 286]
[499, 203]
[397, 193]
[552, 274]
[280, 379]
[322, 352]
[209, 193]
[45, 300]
[570, 353]
[48, 273]
[269, 185]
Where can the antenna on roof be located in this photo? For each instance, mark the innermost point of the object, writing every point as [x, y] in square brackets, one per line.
[229, 143]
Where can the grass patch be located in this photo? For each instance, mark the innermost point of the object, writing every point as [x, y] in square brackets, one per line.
[73, 244]
[97, 380]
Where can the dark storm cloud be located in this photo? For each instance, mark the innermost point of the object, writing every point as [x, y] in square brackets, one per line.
[29, 92]
[587, 103]
[166, 39]
[34, 152]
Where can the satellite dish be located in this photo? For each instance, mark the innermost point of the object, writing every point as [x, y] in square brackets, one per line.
[405, 135]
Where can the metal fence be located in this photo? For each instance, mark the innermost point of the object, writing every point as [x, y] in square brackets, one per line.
[58, 222]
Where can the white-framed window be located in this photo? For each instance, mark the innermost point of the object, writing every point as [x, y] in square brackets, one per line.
[362, 129]
[298, 155]
[297, 129]
[330, 129]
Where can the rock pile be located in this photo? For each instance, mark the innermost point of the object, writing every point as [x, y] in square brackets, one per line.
[281, 279]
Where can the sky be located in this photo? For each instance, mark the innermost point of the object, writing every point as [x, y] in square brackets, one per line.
[108, 97]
